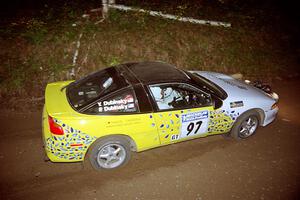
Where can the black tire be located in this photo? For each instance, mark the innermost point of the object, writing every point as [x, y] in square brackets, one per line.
[245, 126]
[109, 153]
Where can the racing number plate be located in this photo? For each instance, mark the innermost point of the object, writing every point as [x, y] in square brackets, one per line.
[194, 123]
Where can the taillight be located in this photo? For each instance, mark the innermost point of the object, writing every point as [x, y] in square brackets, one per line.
[55, 128]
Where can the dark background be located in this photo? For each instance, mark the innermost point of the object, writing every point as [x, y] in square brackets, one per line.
[282, 15]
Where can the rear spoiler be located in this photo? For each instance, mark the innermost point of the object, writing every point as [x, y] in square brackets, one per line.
[56, 102]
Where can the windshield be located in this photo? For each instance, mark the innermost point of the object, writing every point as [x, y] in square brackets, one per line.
[207, 85]
[94, 86]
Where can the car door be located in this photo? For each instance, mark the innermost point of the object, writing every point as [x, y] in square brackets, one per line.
[182, 111]
[120, 113]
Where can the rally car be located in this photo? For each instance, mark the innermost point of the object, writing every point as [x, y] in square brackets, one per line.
[106, 115]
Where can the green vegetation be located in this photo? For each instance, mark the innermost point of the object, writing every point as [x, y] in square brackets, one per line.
[41, 50]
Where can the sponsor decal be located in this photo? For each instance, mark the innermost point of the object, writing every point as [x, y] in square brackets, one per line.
[194, 116]
[115, 107]
[117, 104]
[236, 104]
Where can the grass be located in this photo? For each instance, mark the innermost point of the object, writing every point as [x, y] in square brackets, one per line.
[41, 50]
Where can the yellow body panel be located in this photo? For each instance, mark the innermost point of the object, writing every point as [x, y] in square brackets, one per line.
[145, 130]
[56, 101]
[170, 125]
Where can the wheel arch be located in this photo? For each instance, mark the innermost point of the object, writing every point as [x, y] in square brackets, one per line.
[260, 113]
[234, 132]
[90, 152]
[133, 146]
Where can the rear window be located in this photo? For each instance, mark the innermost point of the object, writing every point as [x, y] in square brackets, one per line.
[92, 87]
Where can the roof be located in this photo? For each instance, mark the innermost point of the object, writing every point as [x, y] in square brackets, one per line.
[152, 72]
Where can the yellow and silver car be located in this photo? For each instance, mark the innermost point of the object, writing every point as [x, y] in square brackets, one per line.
[138, 106]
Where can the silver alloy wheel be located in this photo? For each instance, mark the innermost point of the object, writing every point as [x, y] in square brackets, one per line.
[111, 156]
[248, 127]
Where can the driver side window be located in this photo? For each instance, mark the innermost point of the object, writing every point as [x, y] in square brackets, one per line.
[178, 96]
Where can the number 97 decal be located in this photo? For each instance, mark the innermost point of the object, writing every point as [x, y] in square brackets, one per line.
[192, 129]
[194, 123]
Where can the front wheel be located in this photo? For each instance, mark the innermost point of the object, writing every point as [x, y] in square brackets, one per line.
[245, 126]
[110, 153]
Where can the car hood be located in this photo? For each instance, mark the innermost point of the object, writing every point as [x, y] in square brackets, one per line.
[233, 87]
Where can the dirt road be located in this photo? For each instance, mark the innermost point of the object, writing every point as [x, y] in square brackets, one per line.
[266, 166]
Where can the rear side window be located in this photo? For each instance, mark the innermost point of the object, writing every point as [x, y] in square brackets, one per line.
[123, 101]
[83, 92]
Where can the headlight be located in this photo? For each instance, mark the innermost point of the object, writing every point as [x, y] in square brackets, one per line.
[275, 96]
[274, 106]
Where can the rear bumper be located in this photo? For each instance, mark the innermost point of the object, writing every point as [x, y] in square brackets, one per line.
[55, 146]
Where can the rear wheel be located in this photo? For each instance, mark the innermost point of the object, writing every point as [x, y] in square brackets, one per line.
[110, 153]
[245, 126]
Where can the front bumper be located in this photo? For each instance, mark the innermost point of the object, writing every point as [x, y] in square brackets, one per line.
[270, 116]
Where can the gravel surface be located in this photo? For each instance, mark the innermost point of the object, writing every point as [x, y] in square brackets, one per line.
[266, 166]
